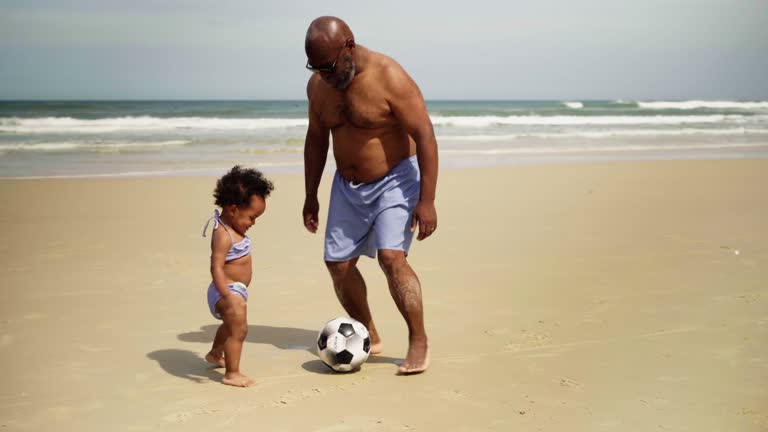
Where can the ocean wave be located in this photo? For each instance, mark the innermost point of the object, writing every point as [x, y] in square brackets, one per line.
[79, 146]
[68, 125]
[575, 105]
[484, 121]
[593, 149]
[141, 124]
[693, 104]
[609, 133]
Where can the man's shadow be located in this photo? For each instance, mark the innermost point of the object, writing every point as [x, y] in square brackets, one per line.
[285, 338]
[189, 364]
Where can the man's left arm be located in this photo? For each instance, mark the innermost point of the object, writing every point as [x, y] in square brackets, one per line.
[407, 104]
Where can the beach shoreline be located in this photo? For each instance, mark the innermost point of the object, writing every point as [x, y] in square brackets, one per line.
[136, 138]
[453, 162]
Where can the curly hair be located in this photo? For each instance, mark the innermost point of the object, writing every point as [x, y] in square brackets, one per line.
[239, 184]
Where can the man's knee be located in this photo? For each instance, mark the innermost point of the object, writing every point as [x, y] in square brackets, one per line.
[391, 260]
[340, 269]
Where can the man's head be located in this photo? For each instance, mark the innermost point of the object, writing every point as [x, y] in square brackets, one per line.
[329, 44]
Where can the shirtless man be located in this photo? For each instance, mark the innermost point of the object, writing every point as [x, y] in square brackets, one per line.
[384, 186]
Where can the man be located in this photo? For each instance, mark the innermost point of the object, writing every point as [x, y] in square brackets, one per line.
[384, 186]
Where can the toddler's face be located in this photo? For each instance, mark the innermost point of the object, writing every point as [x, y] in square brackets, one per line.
[244, 218]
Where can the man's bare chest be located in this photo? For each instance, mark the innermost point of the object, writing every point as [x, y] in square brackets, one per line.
[358, 109]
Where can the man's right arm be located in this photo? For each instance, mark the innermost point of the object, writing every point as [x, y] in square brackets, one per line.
[315, 154]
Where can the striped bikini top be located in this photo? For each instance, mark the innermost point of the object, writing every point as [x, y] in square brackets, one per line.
[237, 250]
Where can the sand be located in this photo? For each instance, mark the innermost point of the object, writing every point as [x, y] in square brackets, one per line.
[626, 296]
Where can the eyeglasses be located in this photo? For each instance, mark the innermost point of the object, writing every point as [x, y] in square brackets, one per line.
[330, 68]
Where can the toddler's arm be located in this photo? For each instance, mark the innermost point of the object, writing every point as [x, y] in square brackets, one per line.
[220, 244]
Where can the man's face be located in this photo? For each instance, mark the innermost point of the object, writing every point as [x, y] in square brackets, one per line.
[343, 73]
[339, 72]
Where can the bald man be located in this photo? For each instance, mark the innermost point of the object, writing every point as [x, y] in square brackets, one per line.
[386, 174]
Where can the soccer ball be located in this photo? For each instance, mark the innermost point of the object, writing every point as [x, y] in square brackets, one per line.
[343, 344]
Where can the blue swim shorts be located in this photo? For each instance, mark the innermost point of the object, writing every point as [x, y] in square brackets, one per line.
[366, 217]
[214, 296]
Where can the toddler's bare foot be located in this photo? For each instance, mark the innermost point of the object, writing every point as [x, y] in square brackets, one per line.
[215, 360]
[377, 348]
[417, 359]
[238, 380]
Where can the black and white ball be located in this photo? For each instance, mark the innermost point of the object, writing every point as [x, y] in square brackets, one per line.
[343, 344]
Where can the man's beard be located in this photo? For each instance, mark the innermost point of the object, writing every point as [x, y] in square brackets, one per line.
[345, 79]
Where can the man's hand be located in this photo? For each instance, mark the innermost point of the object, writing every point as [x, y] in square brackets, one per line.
[311, 208]
[425, 216]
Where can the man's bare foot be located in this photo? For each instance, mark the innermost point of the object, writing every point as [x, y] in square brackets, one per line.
[417, 360]
[238, 380]
[214, 360]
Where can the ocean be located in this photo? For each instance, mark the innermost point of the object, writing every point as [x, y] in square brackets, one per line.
[139, 138]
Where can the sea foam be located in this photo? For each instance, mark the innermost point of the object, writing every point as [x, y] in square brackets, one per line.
[574, 105]
[484, 121]
[693, 104]
[140, 124]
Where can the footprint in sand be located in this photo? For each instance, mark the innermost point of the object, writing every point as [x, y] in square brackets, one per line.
[363, 423]
[758, 418]
[167, 259]
[750, 298]
[292, 396]
[141, 377]
[496, 331]
[746, 298]
[539, 355]
[453, 395]
[567, 382]
[527, 340]
[6, 340]
[655, 402]
[184, 416]
[61, 412]
[609, 423]
[91, 349]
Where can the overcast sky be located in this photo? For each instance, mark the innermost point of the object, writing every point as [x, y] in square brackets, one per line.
[471, 49]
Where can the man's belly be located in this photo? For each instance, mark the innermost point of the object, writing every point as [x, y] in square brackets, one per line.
[366, 159]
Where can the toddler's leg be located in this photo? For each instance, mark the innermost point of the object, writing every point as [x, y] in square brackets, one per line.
[233, 310]
[216, 355]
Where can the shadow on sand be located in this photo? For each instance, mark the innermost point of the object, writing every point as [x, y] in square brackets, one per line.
[318, 367]
[286, 338]
[185, 364]
[189, 365]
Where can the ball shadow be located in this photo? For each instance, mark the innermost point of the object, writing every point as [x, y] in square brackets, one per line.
[318, 367]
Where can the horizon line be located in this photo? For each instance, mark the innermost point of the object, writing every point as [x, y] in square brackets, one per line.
[426, 100]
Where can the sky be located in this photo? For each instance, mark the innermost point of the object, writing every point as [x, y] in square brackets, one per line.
[469, 49]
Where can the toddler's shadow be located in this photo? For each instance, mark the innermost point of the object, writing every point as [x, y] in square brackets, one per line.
[185, 364]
